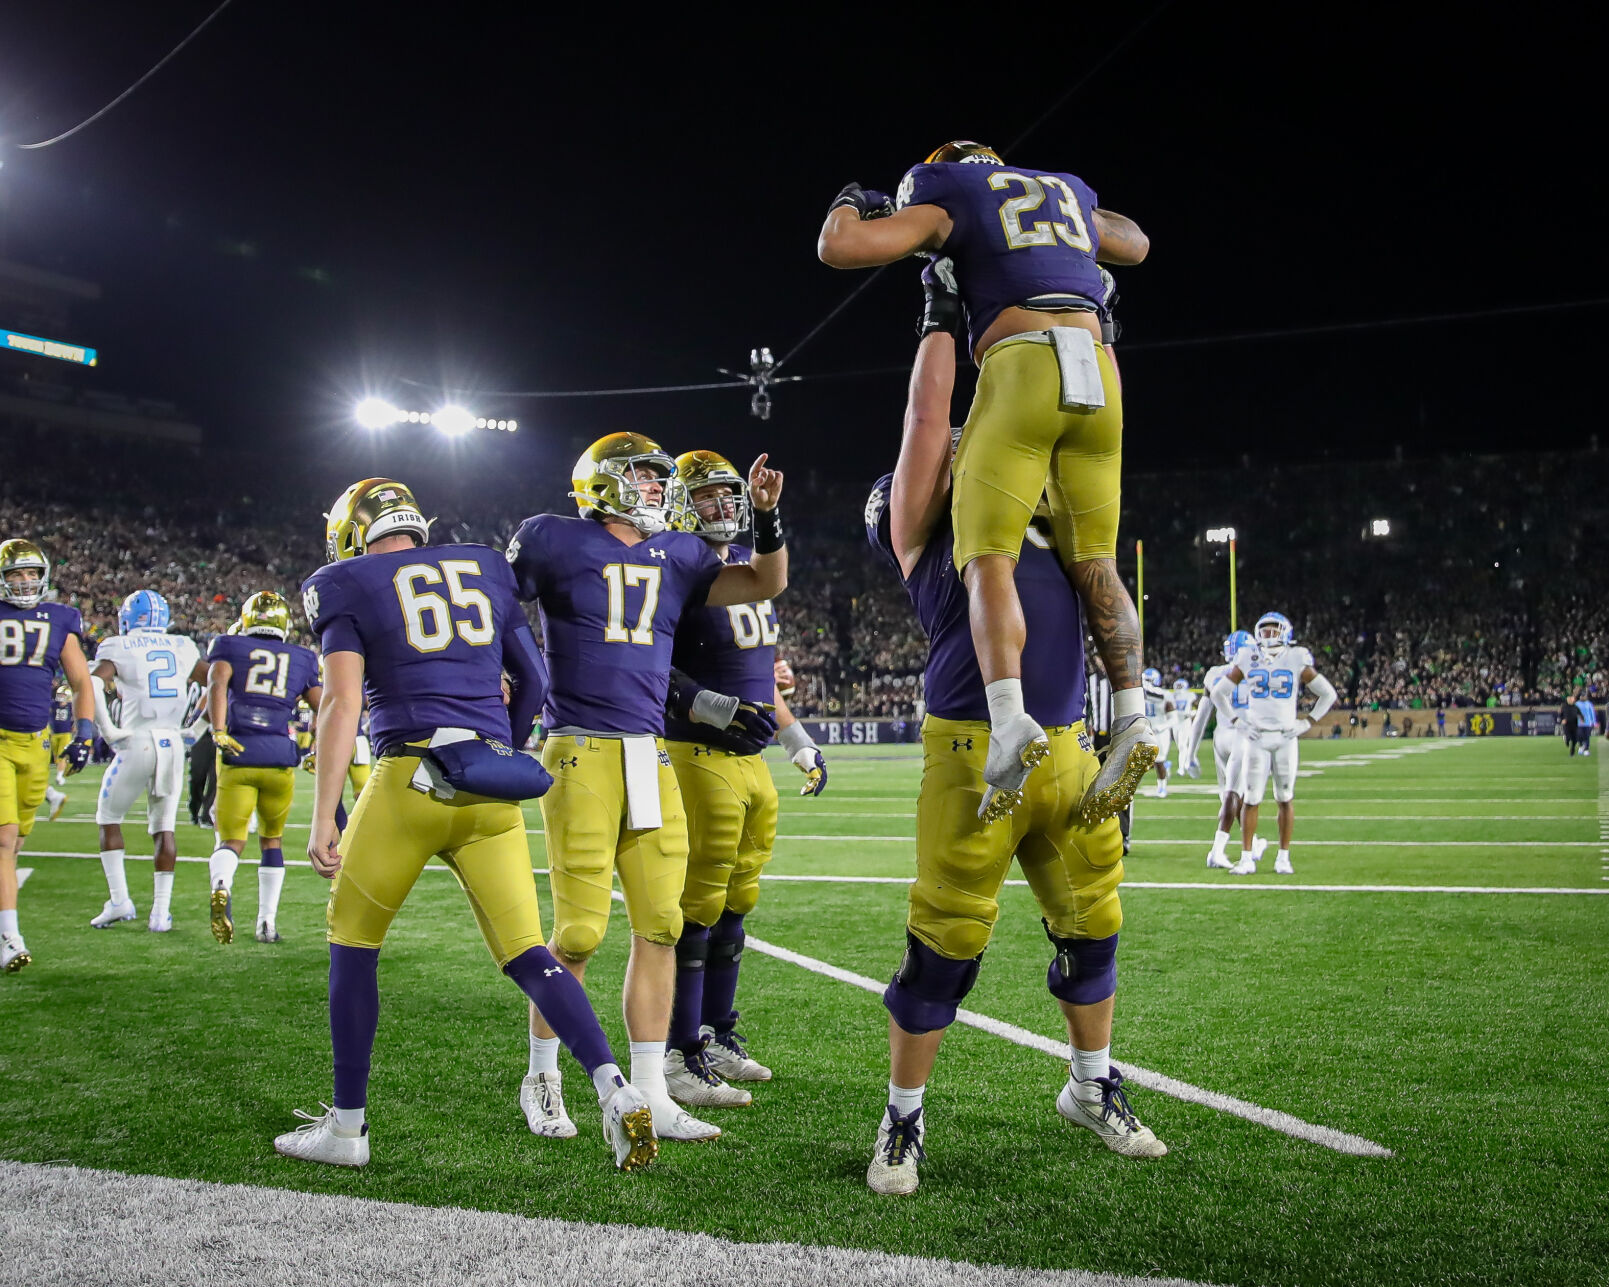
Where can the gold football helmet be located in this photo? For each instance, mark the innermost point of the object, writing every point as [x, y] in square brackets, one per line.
[604, 483]
[722, 518]
[266, 613]
[365, 512]
[19, 557]
[965, 151]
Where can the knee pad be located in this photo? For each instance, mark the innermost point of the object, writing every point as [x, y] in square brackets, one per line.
[928, 989]
[578, 942]
[1084, 970]
[693, 947]
[272, 858]
[726, 940]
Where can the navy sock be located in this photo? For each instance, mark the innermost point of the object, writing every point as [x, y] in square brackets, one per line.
[272, 858]
[563, 1003]
[687, 1010]
[354, 1015]
[720, 975]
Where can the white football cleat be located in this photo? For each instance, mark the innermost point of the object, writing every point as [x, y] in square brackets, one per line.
[1245, 867]
[1258, 847]
[266, 932]
[1014, 749]
[57, 801]
[691, 1082]
[113, 912]
[1161, 792]
[322, 1141]
[1282, 866]
[159, 925]
[899, 1149]
[13, 953]
[1219, 861]
[1110, 1118]
[729, 1056]
[674, 1123]
[628, 1125]
[542, 1102]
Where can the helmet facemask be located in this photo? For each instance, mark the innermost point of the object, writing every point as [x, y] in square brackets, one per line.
[629, 501]
[17, 559]
[719, 510]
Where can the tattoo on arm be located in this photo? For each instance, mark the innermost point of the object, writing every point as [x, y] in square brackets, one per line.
[1112, 620]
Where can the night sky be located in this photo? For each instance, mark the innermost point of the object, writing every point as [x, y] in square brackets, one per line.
[316, 198]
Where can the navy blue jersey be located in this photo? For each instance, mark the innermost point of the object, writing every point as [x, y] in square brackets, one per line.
[266, 680]
[731, 650]
[610, 612]
[1020, 236]
[31, 641]
[61, 713]
[431, 625]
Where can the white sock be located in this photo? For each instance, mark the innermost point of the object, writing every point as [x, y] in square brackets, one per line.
[8, 921]
[1284, 855]
[1220, 842]
[1128, 701]
[544, 1055]
[1247, 857]
[1090, 1064]
[161, 893]
[270, 880]
[904, 1099]
[1005, 701]
[221, 867]
[648, 1067]
[116, 881]
[606, 1079]
[349, 1121]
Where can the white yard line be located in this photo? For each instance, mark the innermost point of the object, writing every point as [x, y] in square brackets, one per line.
[22, 875]
[1326, 1136]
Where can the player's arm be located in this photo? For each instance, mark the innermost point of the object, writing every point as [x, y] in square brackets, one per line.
[339, 708]
[1223, 693]
[198, 672]
[218, 673]
[765, 575]
[744, 728]
[857, 235]
[76, 668]
[528, 678]
[1121, 241]
[1198, 730]
[802, 751]
[921, 489]
[1324, 696]
[106, 673]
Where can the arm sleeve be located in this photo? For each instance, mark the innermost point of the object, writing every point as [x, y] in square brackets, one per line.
[680, 694]
[526, 555]
[1221, 694]
[332, 610]
[528, 674]
[1198, 725]
[1324, 691]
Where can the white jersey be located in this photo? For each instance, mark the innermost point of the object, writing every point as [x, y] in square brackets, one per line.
[1182, 705]
[1157, 703]
[153, 677]
[1237, 699]
[1273, 684]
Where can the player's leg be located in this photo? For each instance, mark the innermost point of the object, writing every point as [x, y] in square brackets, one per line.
[1284, 773]
[167, 784]
[237, 801]
[24, 773]
[274, 799]
[55, 800]
[1258, 766]
[1225, 745]
[124, 781]
[1164, 744]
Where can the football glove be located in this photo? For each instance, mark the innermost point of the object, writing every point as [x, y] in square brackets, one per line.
[752, 729]
[81, 749]
[941, 302]
[808, 760]
[227, 746]
[310, 762]
[867, 202]
[1302, 725]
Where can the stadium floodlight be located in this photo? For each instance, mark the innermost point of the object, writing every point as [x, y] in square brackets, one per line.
[453, 420]
[1380, 527]
[376, 413]
[1220, 535]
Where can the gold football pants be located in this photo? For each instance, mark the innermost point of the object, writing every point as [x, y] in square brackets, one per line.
[58, 745]
[1019, 445]
[241, 790]
[394, 831]
[584, 816]
[24, 774]
[731, 803]
[961, 862]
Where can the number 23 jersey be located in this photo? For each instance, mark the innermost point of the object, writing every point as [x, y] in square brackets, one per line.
[609, 617]
[267, 677]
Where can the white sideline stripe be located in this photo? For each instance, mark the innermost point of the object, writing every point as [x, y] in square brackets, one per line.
[58, 1222]
[1378, 842]
[1229, 885]
[1320, 794]
[1326, 1136]
[22, 875]
[1307, 815]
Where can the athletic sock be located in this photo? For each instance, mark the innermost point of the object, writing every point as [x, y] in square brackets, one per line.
[687, 1009]
[1128, 701]
[606, 1079]
[354, 1016]
[1220, 842]
[1005, 701]
[648, 1067]
[270, 880]
[349, 1121]
[727, 937]
[905, 1100]
[161, 894]
[221, 867]
[544, 1056]
[116, 881]
[1087, 1066]
[8, 921]
[1246, 856]
[563, 1003]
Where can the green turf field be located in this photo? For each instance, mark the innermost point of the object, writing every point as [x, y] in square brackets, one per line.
[1466, 1032]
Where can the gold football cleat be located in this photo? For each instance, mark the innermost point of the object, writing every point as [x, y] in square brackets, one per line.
[223, 926]
[639, 1126]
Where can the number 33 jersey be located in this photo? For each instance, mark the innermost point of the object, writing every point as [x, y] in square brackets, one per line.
[1273, 685]
[609, 616]
[153, 676]
[267, 678]
[31, 641]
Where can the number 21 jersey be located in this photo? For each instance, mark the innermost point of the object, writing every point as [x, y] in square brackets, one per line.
[267, 678]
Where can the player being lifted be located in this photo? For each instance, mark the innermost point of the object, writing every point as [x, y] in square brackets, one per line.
[1225, 739]
[36, 638]
[1046, 420]
[725, 679]
[149, 671]
[1273, 667]
[1073, 867]
[255, 679]
[611, 586]
[425, 634]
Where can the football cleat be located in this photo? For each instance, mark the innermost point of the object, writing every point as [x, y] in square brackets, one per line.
[1111, 1118]
[628, 1125]
[1014, 751]
[1128, 759]
[223, 925]
[674, 1123]
[1161, 792]
[13, 953]
[58, 804]
[691, 1082]
[1282, 866]
[113, 912]
[899, 1149]
[542, 1102]
[266, 933]
[320, 1140]
[729, 1057]
[1218, 861]
[159, 925]
[1245, 867]
[1258, 845]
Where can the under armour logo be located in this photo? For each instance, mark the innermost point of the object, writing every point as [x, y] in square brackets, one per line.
[960, 743]
[569, 763]
[703, 750]
[548, 974]
[658, 554]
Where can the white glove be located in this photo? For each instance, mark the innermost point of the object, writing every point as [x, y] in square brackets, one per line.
[1302, 725]
[1191, 768]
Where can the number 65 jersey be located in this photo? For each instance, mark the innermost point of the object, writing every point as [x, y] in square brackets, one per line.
[267, 678]
[1273, 684]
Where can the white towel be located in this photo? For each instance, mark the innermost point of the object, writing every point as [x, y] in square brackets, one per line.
[427, 777]
[642, 783]
[1081, 386]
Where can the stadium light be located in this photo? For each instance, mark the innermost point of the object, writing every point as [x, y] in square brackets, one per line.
[1220, 535]
[1380, 527]
[376, 413]
[453, 420]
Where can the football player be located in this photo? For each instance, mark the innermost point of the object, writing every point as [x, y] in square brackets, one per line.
[1272, 666]
[424, 634]
[1159, 712]
[1074, 867]
[149, 671]
[725, 666]
[1225, 738]
[611, 586]
[61, 733]
[1046, 419]
[36, 638]
[254, 681]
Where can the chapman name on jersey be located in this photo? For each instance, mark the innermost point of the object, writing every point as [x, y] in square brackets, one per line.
[1273, 685]
[153, 677]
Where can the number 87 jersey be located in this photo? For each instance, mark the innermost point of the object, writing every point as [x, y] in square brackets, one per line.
[1273, 683]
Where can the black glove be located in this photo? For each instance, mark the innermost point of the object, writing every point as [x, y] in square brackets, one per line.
[941, 302]
[756, 720]
[81, 749]
[868, 202]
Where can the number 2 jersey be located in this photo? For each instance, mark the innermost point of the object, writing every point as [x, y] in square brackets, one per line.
[1273, 685]
[730, 650]
[153, 677]
[1019, 237]
[31, 641]
[610, 612]
[267, 678]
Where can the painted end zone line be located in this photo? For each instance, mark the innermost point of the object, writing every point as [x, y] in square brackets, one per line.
[1235, 885]
[1326, 1136]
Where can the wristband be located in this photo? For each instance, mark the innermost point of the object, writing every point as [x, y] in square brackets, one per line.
[84, 730]
[768, 538]
[714, 709]
[794, 739]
